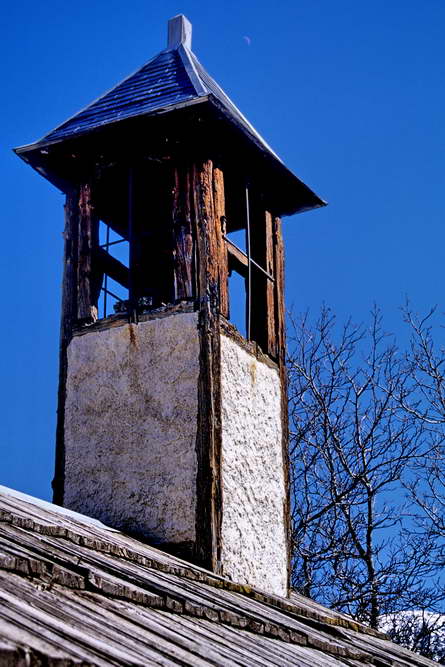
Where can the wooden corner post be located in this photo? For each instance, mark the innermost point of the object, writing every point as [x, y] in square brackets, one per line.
[68, 317]
[207, 204]
[281, 355]
[79, 301]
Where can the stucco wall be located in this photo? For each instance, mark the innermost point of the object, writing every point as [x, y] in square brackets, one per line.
[130, 426]
[253, 489]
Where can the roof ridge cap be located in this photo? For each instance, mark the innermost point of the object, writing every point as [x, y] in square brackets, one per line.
[186, 57]
[229, 103]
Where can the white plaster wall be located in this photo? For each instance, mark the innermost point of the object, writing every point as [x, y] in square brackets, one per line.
[253, 531]
[130, 426]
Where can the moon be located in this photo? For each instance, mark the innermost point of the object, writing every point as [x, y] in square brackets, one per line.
[247, 40]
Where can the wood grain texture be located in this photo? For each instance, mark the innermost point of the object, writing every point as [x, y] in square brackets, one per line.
[221, 247]
[73, 592]
[183, 240]
[87, 242]
[208, 443]
[68, 316]
[281, 357]
[279, 288]
[269, 265]
[239, 259]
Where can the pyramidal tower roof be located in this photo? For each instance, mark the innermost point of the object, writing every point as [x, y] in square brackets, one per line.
[174, 78]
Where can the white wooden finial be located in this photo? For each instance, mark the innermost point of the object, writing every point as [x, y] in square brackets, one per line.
[179, 32]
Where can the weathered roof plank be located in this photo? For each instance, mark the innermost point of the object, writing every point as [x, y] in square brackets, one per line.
[74, 590]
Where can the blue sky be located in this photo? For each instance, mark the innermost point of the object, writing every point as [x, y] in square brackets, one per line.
[350, 95]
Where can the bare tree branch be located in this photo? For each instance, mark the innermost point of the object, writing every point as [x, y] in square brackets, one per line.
[359, 432]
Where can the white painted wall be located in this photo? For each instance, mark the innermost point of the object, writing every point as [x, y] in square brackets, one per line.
[254, 548]
[130, 426]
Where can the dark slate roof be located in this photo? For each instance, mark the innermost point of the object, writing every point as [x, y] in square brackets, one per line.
[162, 82]
[75, 592]
[171, 79]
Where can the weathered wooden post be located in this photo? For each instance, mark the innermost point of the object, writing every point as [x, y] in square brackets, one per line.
[172, 423]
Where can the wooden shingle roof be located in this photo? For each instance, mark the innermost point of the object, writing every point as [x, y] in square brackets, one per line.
[75, 592]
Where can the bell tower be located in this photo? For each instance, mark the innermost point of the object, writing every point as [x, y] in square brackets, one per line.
[172, 416]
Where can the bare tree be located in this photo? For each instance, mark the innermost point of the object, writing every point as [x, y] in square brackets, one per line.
[426, 364]
[420, 630]
[353, 447]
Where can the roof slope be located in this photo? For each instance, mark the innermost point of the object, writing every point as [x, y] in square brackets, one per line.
[161, 82]
[173, 78]
[170, 81]
[73, 590]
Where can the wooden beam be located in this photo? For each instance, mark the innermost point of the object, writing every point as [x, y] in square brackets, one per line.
[68, 317]
[206, 233]
[271, 341]
[88, 240]
[263, 279]
[183, 242]
[208, 442]
[279, 289]
[221, 246]
[237, 257]
[112, 267]
[281, 358]
[199, 250]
